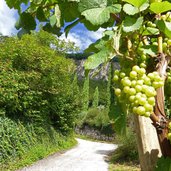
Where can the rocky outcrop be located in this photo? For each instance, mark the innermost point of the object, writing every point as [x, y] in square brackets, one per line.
[99, 73]
[94, 133]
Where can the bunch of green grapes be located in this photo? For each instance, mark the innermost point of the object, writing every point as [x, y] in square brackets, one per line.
[137, 89]
[168, 77]
[168, 95]
[169, 134]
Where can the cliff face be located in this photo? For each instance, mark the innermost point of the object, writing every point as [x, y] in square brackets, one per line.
[99, 73]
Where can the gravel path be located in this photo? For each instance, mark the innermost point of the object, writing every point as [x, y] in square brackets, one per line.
[86, 156]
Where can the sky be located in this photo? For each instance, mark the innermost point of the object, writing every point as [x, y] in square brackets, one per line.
[79, 34]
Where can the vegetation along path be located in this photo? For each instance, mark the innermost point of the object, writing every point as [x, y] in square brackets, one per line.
[87, 156]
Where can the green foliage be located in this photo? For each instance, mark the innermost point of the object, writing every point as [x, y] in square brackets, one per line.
[109, 85]
[160, 7]
[85, 94]
[50, 143]
[36, 93]
[15, 138]
[96, 98]
[97, 117]
[163, 164]
[127, 150]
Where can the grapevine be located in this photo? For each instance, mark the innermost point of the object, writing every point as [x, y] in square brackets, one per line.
[169, 133]
[137, 89]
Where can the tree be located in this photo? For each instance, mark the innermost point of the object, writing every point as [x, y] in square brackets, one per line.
[140, 37]
[96, 98]
[85, 94]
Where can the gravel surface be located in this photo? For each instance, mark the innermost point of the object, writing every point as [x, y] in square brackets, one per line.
[86, 156]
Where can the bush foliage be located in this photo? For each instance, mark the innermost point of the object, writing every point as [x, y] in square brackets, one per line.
[35, 89]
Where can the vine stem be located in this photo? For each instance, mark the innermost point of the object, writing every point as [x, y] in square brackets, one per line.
[160, 44]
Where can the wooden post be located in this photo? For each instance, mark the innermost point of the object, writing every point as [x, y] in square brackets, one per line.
[148, 144]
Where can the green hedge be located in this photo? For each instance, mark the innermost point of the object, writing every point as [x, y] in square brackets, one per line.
[35, 89]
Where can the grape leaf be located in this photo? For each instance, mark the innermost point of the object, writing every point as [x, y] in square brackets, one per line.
[90, 4]
[40, 15]
[136, 3]
[16, 4]
[144, 7]
[67, 14]
[131, 24]
[150, 49]
[96, 59]
[18, 24]
[53, 20]
[160, 7]
[26, 21]
[165, 27]
[70, 26]
[58, 15]
[130, 9]
[98, 45]
[51, 29]
[119, 117]
[98, 16]
[150, 31]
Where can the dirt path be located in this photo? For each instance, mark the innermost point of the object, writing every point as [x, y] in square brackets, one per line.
[87, 156]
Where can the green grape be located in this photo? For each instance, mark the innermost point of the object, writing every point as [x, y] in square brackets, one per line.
[147, 80]
[143, 65]
[141, 71]
[133, 83]
[138, 88]
[133, 74]
[148, 107]
[138, 96]
[169, 136]
[150, 92]
[142, 101]
[169, 41]
[132, 91]
[115, 78]
[143, 57]
[147, 114]
[169, 125]
[140, 82]
[126, 89]
[122, 74]
[140, 110]
[126, 82]
[151, 100]
[132, 98]
[116, 72]
[135, 68]
[117, 91]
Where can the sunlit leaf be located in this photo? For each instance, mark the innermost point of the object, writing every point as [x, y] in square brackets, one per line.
[131, 24]
[160, 7]
[136, 3]
[53, 20]
[165, 27]
[98, 16]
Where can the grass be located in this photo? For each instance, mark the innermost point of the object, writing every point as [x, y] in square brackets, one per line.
[127, 166]
[37, 152]
[125, 157]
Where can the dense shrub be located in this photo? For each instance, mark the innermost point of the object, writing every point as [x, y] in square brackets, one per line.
[35, 89]
[15, 138]
[127, 149]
